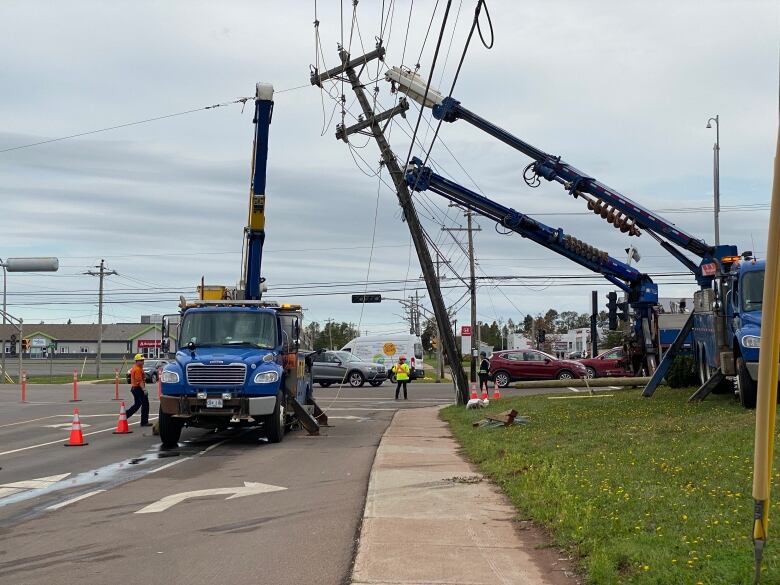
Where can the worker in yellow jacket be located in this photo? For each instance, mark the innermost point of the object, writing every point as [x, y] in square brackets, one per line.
[401, 371]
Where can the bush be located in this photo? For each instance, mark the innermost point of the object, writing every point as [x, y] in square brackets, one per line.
[682, 372]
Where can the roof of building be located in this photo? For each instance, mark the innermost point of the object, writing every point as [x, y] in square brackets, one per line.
[80, 331]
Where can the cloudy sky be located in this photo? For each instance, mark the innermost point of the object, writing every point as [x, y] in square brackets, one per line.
[621, 89]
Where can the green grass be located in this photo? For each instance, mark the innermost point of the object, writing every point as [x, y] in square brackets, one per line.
[641, 490]
[68, 378]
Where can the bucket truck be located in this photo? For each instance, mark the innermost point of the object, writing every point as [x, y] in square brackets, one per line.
[726, 316]
[239, 360]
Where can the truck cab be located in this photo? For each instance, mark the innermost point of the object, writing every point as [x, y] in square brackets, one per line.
[727, 328]
[237, 364]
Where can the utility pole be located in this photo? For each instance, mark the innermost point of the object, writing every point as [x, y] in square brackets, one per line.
[439, 362]
[372, 122]
[472, 289]
[594, 335]
[329, 325]
[101, 274]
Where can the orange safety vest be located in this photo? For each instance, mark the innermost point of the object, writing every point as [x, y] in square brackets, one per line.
[401, 372]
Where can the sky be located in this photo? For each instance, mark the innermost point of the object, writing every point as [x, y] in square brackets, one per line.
[620, 89]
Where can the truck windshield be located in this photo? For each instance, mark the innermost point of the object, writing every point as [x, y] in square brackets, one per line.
[254, 329]
[752, 290]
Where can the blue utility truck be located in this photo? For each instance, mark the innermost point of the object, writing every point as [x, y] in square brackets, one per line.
[239, 360]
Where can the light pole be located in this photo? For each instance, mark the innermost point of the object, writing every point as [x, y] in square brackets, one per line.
[21, 265]
[716, 174]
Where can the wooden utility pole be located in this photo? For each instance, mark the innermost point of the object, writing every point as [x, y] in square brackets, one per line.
[371, 122]
[100, 274]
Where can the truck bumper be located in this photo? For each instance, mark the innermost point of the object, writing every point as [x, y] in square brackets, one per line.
[189, 406]
[752, 368]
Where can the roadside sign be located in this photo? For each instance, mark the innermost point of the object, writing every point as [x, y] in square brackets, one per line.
[465, 330]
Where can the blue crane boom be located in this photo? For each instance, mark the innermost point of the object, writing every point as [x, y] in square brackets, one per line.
[641, 291]
[254, 233]
[620, 211]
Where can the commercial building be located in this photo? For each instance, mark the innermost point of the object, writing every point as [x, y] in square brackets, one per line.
[58, 340]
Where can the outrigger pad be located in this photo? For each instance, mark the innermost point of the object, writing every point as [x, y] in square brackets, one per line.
[708, 386]
[307, 421]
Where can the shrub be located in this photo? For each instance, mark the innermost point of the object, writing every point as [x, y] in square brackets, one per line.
[682, 372]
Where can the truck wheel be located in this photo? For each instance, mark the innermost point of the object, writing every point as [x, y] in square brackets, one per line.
[591, 372]
[392, 379]
[356, 379]
[747, 389]
[170, 430]
[274, 422]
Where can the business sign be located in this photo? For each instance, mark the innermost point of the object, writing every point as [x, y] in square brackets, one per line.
[39, 342]
[465, 330]
[147, 343]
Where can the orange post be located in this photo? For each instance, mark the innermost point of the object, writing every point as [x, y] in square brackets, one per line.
[24, 386]
[116, 383]
[75, 386]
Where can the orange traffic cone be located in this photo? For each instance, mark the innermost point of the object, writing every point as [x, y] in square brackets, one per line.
[121, 425]
[76, 436]
[473, 392]
[496, 391]
[484, 394]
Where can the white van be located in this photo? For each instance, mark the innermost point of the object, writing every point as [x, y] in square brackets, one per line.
[386, 349]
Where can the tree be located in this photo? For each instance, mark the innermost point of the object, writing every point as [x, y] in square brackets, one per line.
[428, 333]
[335, 335]
[528, 325]
[611, 339]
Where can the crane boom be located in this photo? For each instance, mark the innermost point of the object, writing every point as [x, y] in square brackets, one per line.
[255, 230]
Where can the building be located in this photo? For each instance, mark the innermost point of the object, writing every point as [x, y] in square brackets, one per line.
[518, 341]
[77, 339]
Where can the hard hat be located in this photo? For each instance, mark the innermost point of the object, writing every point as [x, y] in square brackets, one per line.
[402, 358]
[138, 357]
[483, 354]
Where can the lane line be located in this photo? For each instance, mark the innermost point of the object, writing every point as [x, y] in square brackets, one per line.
[151, 418]
[74, 500]
[573, 389]
[22, 422]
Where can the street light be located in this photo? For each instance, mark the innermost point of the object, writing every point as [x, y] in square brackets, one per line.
[46, 264]
[716, 174]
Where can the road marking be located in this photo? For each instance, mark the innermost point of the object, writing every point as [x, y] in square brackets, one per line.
[615, 387]
[60, 440]
[23, 422]
[573, 389]
[585, 396]
[65, 426]
[32, 484]
[74, 500]
[249, 489]
[351, 408]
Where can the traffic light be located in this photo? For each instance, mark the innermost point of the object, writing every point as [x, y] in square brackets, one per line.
[540, 335]
[612, 309]
[622, 311]
[366, 298]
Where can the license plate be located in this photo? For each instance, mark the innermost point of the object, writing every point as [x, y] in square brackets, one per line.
[213, 403]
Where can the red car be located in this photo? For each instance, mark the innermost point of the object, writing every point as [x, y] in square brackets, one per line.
[530, 364]
[609, 363]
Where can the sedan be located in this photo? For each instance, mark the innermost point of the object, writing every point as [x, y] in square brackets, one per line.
[338, 367]
[151, 368]
[609, 363]
[530, 364]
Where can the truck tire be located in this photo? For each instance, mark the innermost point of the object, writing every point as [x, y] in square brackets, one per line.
[747, 389]
[274, 422]
[170, 430]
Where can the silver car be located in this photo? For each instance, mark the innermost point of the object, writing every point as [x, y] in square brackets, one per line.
[341, 367]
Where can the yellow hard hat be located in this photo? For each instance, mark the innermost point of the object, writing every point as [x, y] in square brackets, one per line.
[138, 357]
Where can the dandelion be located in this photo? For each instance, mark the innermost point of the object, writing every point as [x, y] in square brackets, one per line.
[646, 567]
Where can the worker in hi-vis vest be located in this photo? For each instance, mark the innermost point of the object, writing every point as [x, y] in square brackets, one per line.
[138, 388]
[401, 371]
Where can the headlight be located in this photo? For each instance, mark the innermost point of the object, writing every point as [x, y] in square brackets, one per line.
[226, 396]
[751, 341]
[266, 377]
[202, 395]
[169, 377]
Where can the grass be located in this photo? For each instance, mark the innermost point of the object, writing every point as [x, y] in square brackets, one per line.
[68, 378]
[642, 491]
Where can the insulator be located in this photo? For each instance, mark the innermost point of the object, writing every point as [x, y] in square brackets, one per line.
[613, 216]
[605, 211]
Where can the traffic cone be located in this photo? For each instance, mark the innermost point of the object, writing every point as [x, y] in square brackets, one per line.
[484, 394]
[76, 436]
[496, 391]
[121, 425]
[473, 392]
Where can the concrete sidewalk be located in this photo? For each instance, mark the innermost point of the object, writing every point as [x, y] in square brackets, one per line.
[430, 520]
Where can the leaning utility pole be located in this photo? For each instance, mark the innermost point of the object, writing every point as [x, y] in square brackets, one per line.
[372, 121]
[439, 363]
[101, 274]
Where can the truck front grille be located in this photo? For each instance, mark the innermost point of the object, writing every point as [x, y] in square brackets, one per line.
[216, 375]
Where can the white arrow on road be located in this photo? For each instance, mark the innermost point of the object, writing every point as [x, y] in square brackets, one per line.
[249, 489]
[8, 489]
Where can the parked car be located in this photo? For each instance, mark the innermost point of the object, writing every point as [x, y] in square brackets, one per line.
[609, 363]
[336, 367]
[576, 355]
[150, 370]
[530, 364]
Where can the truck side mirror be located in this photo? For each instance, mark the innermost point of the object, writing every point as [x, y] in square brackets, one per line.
[166, 345]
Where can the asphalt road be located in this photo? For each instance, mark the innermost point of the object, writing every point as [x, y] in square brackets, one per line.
[300, 534]
[71, 515]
